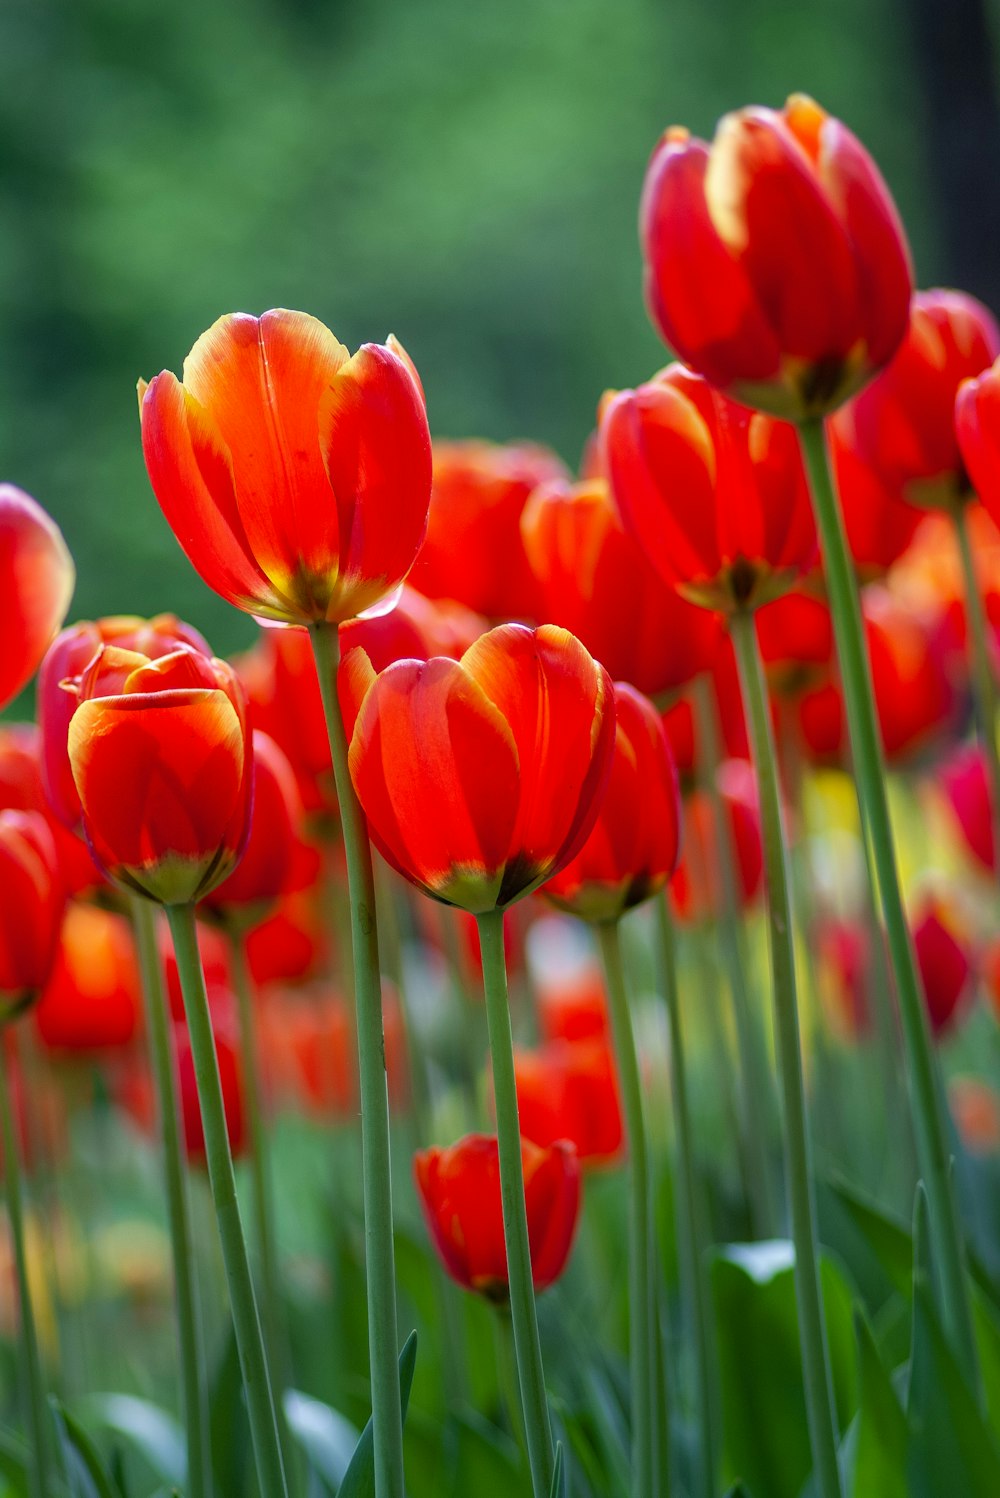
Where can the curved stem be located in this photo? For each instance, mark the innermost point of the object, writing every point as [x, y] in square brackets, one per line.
[222, 1179]
[688, 1204]
[642, 1306]
[866, 748]
[194, 1388]
[801, 1204]
[527, 1346]
[387, 1414]
[34, 1387]
[983, 684]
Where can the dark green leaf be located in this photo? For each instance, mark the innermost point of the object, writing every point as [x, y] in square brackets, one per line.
[151, 1429]
[359, 1479]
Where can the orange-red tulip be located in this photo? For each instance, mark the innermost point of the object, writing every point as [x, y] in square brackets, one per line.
[161, 760]
[473, 552]
[593, 579]
[22, 789]
[878, 523]
[265, 870]
[295, 476]
[460, 1195]
[697, 887]
[775, 261]
[715, 494]
[903, 425]
[569, 1090]
[36, 584]
[292, 943]
[633, 846]
[230, 1078]
[92, 1001]
[481, 778]
[31, 906]
[573, 1006]
[415, 628]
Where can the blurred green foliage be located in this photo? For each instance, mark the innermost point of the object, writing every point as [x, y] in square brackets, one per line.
[466, 176]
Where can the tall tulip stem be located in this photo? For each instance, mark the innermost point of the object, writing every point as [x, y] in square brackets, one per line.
[34, 1387]
[643, 1317]
[866, 748]
[527, 1345]
[222, 1179]
[983, 685]
[801, 1203]
[387, 1415]
[194, 1393]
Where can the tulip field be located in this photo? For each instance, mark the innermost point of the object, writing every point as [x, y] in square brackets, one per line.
[529, 1025]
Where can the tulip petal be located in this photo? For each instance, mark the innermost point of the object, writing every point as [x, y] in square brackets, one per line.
[36, 585]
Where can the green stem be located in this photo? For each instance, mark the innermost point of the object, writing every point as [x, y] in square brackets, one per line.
[387, 1415]
[33, 1387]
[866, 748]
[222, 1179]
[801, 1204]
[642, 1307]
[194, 1388]
[527, 1346]
[688, 1205]
[983, 685]
[755, 1079]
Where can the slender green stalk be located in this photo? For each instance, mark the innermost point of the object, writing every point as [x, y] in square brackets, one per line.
[642, 1305]
[33, 1388]
[222, 1179]
[798, 1174]
[689, 1207]
[387, 1414]
[194, 1387]
[527, 1346]
[866, 748]
[983, 684]
[755, 1080]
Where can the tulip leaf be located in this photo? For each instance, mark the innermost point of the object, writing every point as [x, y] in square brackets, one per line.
[149, 1428]
[13, 1464]
[876, 1246]
[560, 1485]
[359, 1479]
[882, 1435]
[87, 1475]
[326, 1436]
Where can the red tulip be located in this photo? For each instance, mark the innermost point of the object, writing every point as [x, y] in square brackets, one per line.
[795, 634]
[965, 782]
[714, 494]
[843, 953]
[460, 1195]
[36, 584]
[295, 476]
[308, 1046]
[945, 965]
[480, 778]
[682, 721]
[292, 943]
[415, 628]
[230, 1079]
[573, 1006]
[31, 906]
[633, 846]
[593, 579]
[92, 1001]
[160, 757]
[775, 261]
[903, 425]
[878, 523]
[22, 789]
[213, 951]
[697, 887]
[569, 1090]
[265, 870]
[473, 552]
[977, 424]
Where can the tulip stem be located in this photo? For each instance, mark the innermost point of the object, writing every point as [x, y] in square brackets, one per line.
[798, 1166]
[222, 1179]
[982, 672]
[194, 1393]
[689, 1219]
[527, 1346]
[33, 1387]
[642, 1304]
[387, 1414]
[866, 748]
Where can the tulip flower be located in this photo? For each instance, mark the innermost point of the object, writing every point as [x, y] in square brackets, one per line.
[964, 780]
[265, 869]
[685, 722]
[569, 1090]
[878, 523]
[460, 1195]
[714, 494]
[31, 907]
[480, 778]
[945, 965]
[697, 885]
[22, 788]
[230, 1079]
[573, 1007]
[36, 584]
[91, 1002]
[593, 579]
[775, 261]
[295, 476]
[473, 551]
[291, 944]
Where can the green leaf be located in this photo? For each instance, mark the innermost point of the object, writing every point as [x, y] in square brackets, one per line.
[326, 1436]
[559, 1488]
[149, 1428]
[359, 1479]
[486, 1460]
[760, 1363]
[87, 1474]
[875, 1245]
[882, 1436]
[14, 1464]
[229, 1429]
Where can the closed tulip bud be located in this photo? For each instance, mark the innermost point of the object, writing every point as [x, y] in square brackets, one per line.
[295, 476]
[714, 494]
[481, 778]
[92, 1001]
[569, 1090]
[31, 907]
[22, 789]
[460, 1194]
[633, 846]
[160, 754]
[265, 870]
[775, 261]
[36, 584]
